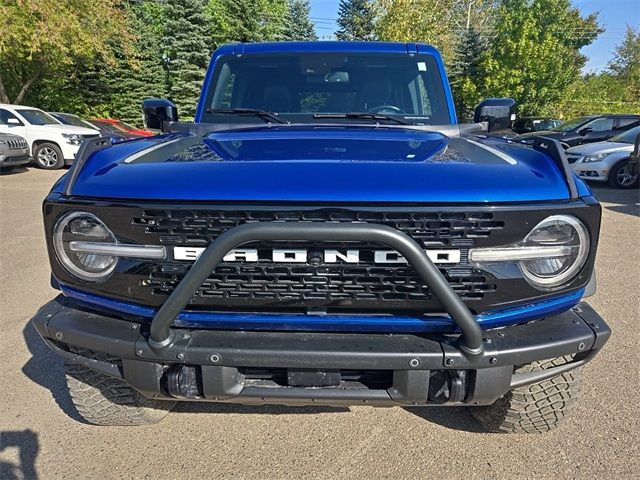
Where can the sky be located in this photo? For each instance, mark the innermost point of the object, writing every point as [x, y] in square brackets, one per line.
[614, 15]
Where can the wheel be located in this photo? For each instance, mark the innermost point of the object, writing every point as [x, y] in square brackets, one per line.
[621, 176]
[535, 408]
[48, 156]
[104, 400]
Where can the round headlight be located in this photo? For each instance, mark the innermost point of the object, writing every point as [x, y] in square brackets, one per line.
[557, 230]
[83, 227]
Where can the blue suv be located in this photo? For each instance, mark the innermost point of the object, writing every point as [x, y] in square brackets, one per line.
[324, 233]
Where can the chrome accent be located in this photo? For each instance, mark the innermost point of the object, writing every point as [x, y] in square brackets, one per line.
[119, 250]
[351, 256]
[510, 254]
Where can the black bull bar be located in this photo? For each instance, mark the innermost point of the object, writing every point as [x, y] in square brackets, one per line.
[161, 335]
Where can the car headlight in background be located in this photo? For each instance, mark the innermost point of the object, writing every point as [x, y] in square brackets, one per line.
[73, 138]
[89, 250]
[593, 158]
[551, 254]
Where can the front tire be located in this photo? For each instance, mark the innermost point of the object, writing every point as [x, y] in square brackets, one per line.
[535, 408]
[621, 176]
[103, 400]
[48, 156]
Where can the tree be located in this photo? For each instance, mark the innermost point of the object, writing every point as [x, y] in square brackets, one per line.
[625, 64]
[247, 20]
[535, 52]
[427, 21]
[41, 39]
[356, 20]
[298, 25]
[465, 71]
[188, 52]
[144, 76]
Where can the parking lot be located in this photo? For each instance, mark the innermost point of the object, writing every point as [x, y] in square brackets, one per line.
[41, 439]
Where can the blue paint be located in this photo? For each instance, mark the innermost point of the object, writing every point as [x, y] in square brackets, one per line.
[305, 163]
[334, 323]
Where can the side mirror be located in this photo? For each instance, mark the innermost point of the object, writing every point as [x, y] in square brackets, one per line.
[13, 121]
[157, 111]
[499, 113]
[585, 130]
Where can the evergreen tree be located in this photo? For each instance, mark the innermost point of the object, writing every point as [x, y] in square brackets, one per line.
[187, 40]
[356, 20]
[248, 20]
[299, 25]
[465, 70]
[133, 81]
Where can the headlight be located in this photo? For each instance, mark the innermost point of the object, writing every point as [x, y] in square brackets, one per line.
[551, 254]
[73, 138]
[84, 227]
[594, 158]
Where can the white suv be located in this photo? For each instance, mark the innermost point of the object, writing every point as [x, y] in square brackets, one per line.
[51, 144]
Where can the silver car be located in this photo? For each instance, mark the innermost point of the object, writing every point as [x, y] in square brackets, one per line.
[606, 161]
[13, 150]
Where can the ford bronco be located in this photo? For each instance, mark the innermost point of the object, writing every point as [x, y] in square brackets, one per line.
[324, 233]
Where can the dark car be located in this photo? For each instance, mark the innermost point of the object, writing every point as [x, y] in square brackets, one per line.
[594, 128]
[71, 119]
[535, 124]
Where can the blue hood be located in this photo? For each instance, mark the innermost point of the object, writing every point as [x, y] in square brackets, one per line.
[321, 164]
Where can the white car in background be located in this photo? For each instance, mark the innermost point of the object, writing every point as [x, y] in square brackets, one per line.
[606, 161]
[51, 144]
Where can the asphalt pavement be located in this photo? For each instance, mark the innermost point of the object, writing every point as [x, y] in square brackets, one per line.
[41, 438]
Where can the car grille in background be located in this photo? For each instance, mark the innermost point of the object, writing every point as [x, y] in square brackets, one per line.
[363, 286]
[17, 144]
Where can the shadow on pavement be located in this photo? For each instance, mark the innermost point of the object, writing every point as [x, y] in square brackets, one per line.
[47, 370]
[455, 418]
[6, 171]
[626, 201]
[26, 441]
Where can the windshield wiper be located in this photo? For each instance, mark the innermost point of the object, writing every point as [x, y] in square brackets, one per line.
[263, 114]
[362, 115]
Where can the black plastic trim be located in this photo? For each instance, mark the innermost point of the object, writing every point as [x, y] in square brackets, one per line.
[222, 354]
[470, 342]
[87, 148]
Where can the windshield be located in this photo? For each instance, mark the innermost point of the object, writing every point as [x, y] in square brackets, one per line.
[571, 124]
[626, 137]
[38, 117]
[72, 120]
[298, 85]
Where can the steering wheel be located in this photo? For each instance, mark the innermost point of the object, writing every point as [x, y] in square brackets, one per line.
[387, 109]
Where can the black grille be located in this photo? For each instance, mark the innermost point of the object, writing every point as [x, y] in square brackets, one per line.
[367, 285]
[201, 227]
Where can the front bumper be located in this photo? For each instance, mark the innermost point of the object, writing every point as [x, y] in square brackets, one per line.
[13, 159]
[320, 368]
[596, 171]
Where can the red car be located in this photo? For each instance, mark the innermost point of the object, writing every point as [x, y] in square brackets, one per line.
[117, 125]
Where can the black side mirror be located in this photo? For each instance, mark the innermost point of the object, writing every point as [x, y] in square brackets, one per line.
[585, 130]
[498, 112]
[157, 111]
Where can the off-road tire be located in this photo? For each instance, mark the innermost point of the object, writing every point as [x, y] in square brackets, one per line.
[103, 400]
[535, 408]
